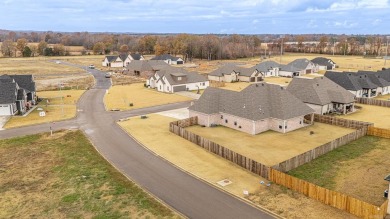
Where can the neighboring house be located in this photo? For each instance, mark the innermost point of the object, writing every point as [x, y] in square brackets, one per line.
[257, 108]
[383, 86]
[385, 74]
[268, 68]
[322, 95]
[121, 60]
[359, 85]
[298, 67]
[324, 63]
[169, 59]
[17, 94]
[170, 80]
[233, 73]
[387, 178]
[144, 68]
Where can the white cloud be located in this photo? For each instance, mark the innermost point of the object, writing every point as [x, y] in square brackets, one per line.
[312, 24]
[376, 22]
[346, 5]
[345, 24]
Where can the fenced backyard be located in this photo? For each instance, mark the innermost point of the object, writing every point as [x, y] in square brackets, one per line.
[375, 102]
[276, 173]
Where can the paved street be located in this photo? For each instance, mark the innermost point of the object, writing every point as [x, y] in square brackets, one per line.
[188, 195]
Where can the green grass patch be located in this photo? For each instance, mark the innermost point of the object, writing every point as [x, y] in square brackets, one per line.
[323, 170]
[63, 176]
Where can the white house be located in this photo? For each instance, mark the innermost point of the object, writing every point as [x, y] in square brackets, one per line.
[171, 60]
[232, 73]
[268, 68]
[120, 61]
[298, 67]
[174, 80]
[324, 63]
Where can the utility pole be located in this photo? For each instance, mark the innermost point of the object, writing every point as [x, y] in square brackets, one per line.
[281, 48]
[345, 46]
[62, 100]
[334, 42]
[387, 48]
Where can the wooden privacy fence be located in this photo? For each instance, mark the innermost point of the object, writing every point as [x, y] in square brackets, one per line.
[347, 123]
[375, 102]
[308, 156]
[379, 132]
[177, 128]
[336, 199]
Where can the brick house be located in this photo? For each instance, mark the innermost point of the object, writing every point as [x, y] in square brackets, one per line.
[258, 108]
[322, 95]
[144, 68]
[233, 73]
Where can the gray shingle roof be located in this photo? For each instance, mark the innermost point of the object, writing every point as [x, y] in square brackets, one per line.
[165, 57]
[319, 91]
[366, 82]
[136, 56]
[385, 74]
[25, 81]
[347, 80]
[8, 92]
[172, 74]
[229, 68]
[266, 66]
[146, 65]
[375, 78]
[256, 102]
[300, 64]
[123, 57]
[323, 62]
[111, 58]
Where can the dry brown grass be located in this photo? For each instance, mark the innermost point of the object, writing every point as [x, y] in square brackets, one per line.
[236, 86]
[59, 97]
[270, 148]
[383, 97]
[120, 97]
[34, 65]
[278, 80]
[375, 114]
[83, 82]
[212, 168]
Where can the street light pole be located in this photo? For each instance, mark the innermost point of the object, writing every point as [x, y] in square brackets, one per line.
[345, 46]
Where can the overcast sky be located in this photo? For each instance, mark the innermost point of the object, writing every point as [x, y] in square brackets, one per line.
[198, 16]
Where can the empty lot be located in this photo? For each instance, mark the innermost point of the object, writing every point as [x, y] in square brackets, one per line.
[375, 114]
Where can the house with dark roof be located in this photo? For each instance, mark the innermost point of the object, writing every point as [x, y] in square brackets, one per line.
[385, 74]
[121, 60]
[324, 63]
[258, 108]
[268, 68]
[387, 178]
[359, 85]
[169, 59]
[298, 67]
[172, 79]
[383, 86]
[17, 94]
[233, 73]
[144, 68]
[322, 95]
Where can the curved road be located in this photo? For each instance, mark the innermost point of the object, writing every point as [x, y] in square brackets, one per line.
[188, 195]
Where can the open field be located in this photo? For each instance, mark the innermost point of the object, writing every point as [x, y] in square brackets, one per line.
[55, 111]
[60, 97]
[212, 169]
[65, 177]
[375, 114]
[270, 148]
[35, 66]
[120, 97]
[345, 63]
[81, 81]
[86, 61]
[356, 169]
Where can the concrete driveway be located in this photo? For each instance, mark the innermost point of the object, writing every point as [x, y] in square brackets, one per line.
[3, 120]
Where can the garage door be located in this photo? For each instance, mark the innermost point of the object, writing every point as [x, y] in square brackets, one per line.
[308, 71]
[179, 62]
[4, 110]
[179, 88]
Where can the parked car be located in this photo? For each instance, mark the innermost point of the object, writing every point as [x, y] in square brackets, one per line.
[107, 75]
[91, 66]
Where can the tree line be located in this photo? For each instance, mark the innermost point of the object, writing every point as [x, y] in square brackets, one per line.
[188, 46]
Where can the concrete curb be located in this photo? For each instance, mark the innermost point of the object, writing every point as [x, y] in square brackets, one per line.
[201, 179]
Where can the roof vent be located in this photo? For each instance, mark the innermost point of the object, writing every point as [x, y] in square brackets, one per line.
[281, 88]
[257, 85]
[318, 84]
[322, 77]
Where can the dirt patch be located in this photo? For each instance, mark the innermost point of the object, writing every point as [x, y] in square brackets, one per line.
[84, 82]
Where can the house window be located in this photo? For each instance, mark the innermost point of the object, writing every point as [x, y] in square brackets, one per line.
[226, 121]
[221, 116]
[280, 127]
[235, 123]
[285, 127]
[239, 127]
[203, 84]
[179, 78]
[300, 122]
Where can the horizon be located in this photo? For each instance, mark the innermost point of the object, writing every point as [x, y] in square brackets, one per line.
[250, 17]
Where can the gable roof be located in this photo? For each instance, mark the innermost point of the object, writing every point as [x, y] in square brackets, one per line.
[366, 82]
[346, 80]
[25, 81]
[8, 92]
[266, 66]
[123, 57]
[146, 65]
[300, 64]
[385, 74]
[375, 78]
[165, 57]
[111, 58]
[136, 56]
[319, 91]
[323, 61]
[172, 74]
[255, 102]
[229, 68]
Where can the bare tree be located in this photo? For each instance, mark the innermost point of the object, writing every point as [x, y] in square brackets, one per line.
[21, 44]
[8, 48]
